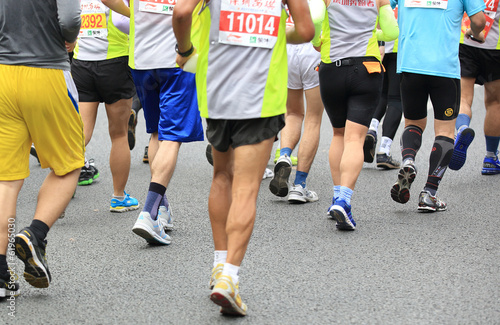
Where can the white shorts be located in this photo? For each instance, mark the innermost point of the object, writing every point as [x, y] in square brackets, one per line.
[302, 62]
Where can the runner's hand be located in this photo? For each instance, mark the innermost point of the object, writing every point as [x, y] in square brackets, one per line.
[181, 60]
[478, 38]
[70, 46]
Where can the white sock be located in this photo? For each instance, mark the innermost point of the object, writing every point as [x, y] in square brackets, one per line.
[385, 145]
[232, 271]
[219, 257]
[374, 124]
[87, 164]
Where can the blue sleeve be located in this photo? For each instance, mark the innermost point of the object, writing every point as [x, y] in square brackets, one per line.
[472, 7]
[394, 3]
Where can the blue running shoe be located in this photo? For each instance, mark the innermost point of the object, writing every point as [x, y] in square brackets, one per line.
[341, 211]
[491, 166]
[462, 142]
[128, 204]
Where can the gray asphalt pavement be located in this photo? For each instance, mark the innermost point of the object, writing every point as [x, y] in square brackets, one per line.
[398, 267]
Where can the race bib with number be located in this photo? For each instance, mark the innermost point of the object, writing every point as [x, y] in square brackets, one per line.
[289, 20]
[94, 23]
[489, 14]
[431, 4]
[165, 7]
[253, 23]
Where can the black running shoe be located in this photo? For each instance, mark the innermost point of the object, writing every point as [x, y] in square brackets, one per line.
[132, 122]
[32, 253]
[33, 153]
[386, 161]
[369, 146]
[9, 287]
[88, 174]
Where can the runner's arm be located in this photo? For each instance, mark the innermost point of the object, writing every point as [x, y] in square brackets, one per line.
[477, 23]
[181, 23]
[318, 10]
[118, 6]
[121, 22]
[68, 12]
[303, 30]
[389, 29]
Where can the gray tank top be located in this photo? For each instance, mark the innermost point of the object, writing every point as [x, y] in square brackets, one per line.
[352, 24]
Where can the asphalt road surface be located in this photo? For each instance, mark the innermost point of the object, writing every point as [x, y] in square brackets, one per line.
[398, 267]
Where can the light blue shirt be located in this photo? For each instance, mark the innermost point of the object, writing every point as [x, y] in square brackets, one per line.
[429, 37]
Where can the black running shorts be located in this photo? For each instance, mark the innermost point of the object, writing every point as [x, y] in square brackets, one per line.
[235, 133]
[105, 81]
[481, 64]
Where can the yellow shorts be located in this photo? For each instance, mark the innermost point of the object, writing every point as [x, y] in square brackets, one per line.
[39, 106]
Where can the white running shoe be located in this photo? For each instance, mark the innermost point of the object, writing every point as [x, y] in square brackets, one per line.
[299, 194]
[151, 230]
[165, 213]
[268, 174]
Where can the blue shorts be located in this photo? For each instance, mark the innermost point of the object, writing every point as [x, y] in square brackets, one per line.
[168, 97]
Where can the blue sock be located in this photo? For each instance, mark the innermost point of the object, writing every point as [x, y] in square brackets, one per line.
[164, 201]
[300, 178]
[346, 194]
[462, 119]
[492, 143]
[286, 151]
[154, 198]
[336, 192]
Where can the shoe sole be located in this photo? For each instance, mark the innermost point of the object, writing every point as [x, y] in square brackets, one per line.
[430, 209]
[460, 149]
[227, 304]
[343, 221]
[123, 209]
[386, 165]
[149, 235]
[369, 148]
[131, 139]
[279, 184]
[400, 192]
[490, 171]
[35, 272]
[295, 198]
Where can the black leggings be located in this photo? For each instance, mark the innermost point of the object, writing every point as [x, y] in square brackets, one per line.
[390, 100]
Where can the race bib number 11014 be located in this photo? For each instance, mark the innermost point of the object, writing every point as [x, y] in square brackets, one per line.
[253, 23]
